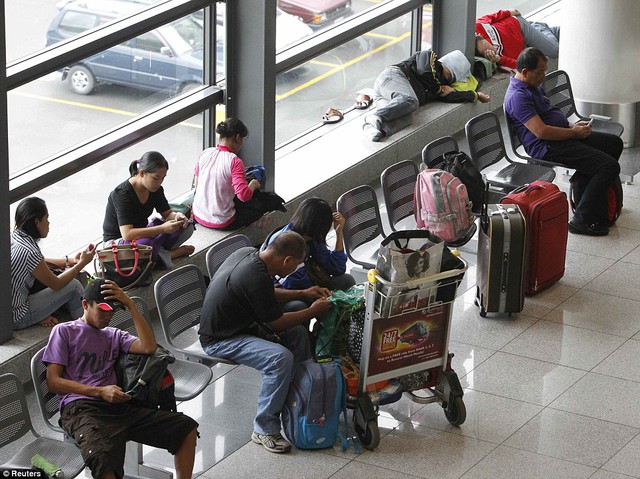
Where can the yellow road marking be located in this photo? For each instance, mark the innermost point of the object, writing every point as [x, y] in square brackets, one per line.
[341, 67]
[89, 106]
[338, 68]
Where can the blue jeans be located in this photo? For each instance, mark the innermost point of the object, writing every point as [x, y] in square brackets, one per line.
[541, 36]
[395, 100]
[277, 364]
[45, 302]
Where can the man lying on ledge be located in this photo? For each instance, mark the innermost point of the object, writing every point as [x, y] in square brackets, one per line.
[501, 36]
[400, 89]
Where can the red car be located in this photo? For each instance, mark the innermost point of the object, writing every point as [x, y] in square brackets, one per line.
[317, 13]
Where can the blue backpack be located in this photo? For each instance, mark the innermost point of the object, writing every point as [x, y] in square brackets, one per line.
[316, 398]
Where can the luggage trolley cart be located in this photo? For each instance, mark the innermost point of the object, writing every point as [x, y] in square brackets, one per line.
[406, 330]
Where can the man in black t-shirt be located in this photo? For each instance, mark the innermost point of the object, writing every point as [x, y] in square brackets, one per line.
[241, 304]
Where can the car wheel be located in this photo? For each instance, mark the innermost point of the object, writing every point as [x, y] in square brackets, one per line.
[81, 80]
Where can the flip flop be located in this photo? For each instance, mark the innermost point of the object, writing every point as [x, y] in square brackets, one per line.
[332, 116]
[363, 102]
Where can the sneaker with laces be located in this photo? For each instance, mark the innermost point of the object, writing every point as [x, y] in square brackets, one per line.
[272, 442]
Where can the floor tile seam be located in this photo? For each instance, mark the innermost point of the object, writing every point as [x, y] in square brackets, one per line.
[392, 471]
[610, 354]
[591, 329]
[520, 333]
[608, 421]
[521, 355]
[554, 457]
[512, 398]
[608, 294]
[626, 338]
[475, 346]
[456, 436]
[615, 472]
[601, 256]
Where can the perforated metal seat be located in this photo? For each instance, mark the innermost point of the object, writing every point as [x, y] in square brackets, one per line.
[190, 377]
[486, 146]
[179, 297]
[362, 231]
[15, 422]
[221, 251]
[434, 151]
[557, 87]
[398, 182]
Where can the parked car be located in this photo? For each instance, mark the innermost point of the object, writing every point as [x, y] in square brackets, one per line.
[167, 58]
[317, 13]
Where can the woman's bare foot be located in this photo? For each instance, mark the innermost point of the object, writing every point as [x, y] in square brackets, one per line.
[48, 322]
[483, 97]
[184, 250]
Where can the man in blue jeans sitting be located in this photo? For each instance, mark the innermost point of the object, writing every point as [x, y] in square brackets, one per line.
[545, 133]
[242, 305]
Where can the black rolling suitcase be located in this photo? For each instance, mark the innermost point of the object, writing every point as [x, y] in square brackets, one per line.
[501, 260]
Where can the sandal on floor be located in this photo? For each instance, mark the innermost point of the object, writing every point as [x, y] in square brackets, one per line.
[332, 116]
[363, 102]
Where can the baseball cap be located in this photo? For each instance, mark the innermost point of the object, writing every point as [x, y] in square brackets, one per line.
[93, 292]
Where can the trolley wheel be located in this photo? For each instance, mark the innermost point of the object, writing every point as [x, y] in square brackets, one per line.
[456, 412]
[369, 435]
[483, 313]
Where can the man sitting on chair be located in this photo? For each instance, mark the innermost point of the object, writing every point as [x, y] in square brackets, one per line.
[94, 411]
[242, 309]
[545, 133]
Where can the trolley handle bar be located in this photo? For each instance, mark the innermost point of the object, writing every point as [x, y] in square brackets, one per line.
[430, 279]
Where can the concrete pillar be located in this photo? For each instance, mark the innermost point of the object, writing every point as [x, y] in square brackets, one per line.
[599, 46]
[250, 57]
[454, 24]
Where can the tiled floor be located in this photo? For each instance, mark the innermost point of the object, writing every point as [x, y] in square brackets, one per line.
[551, 392]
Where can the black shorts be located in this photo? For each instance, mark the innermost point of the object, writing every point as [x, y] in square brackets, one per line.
[102, 429]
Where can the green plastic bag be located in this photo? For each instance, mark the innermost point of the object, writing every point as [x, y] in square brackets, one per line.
[333, 326]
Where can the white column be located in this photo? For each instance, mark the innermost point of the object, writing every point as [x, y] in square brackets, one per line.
[600, 50]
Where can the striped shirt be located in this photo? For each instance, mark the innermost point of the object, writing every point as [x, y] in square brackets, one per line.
[25, 256]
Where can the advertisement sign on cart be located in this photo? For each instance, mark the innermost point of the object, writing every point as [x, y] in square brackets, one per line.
[407, 340]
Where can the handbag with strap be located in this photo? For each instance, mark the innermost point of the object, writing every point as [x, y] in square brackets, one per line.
[127, 265]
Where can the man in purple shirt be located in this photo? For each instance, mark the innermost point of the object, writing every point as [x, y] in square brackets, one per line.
[545, 133]
[94, 411]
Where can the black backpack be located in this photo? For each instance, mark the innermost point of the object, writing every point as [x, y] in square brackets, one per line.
[147, 379]
[461, 166]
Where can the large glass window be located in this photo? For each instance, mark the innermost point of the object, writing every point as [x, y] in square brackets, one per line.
[99, 92]
[77, 204]
[332, 79]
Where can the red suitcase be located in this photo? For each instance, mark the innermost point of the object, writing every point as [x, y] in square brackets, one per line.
[546, 213]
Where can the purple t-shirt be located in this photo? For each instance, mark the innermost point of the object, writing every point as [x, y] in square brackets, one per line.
[522, 102]
[88, 354]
